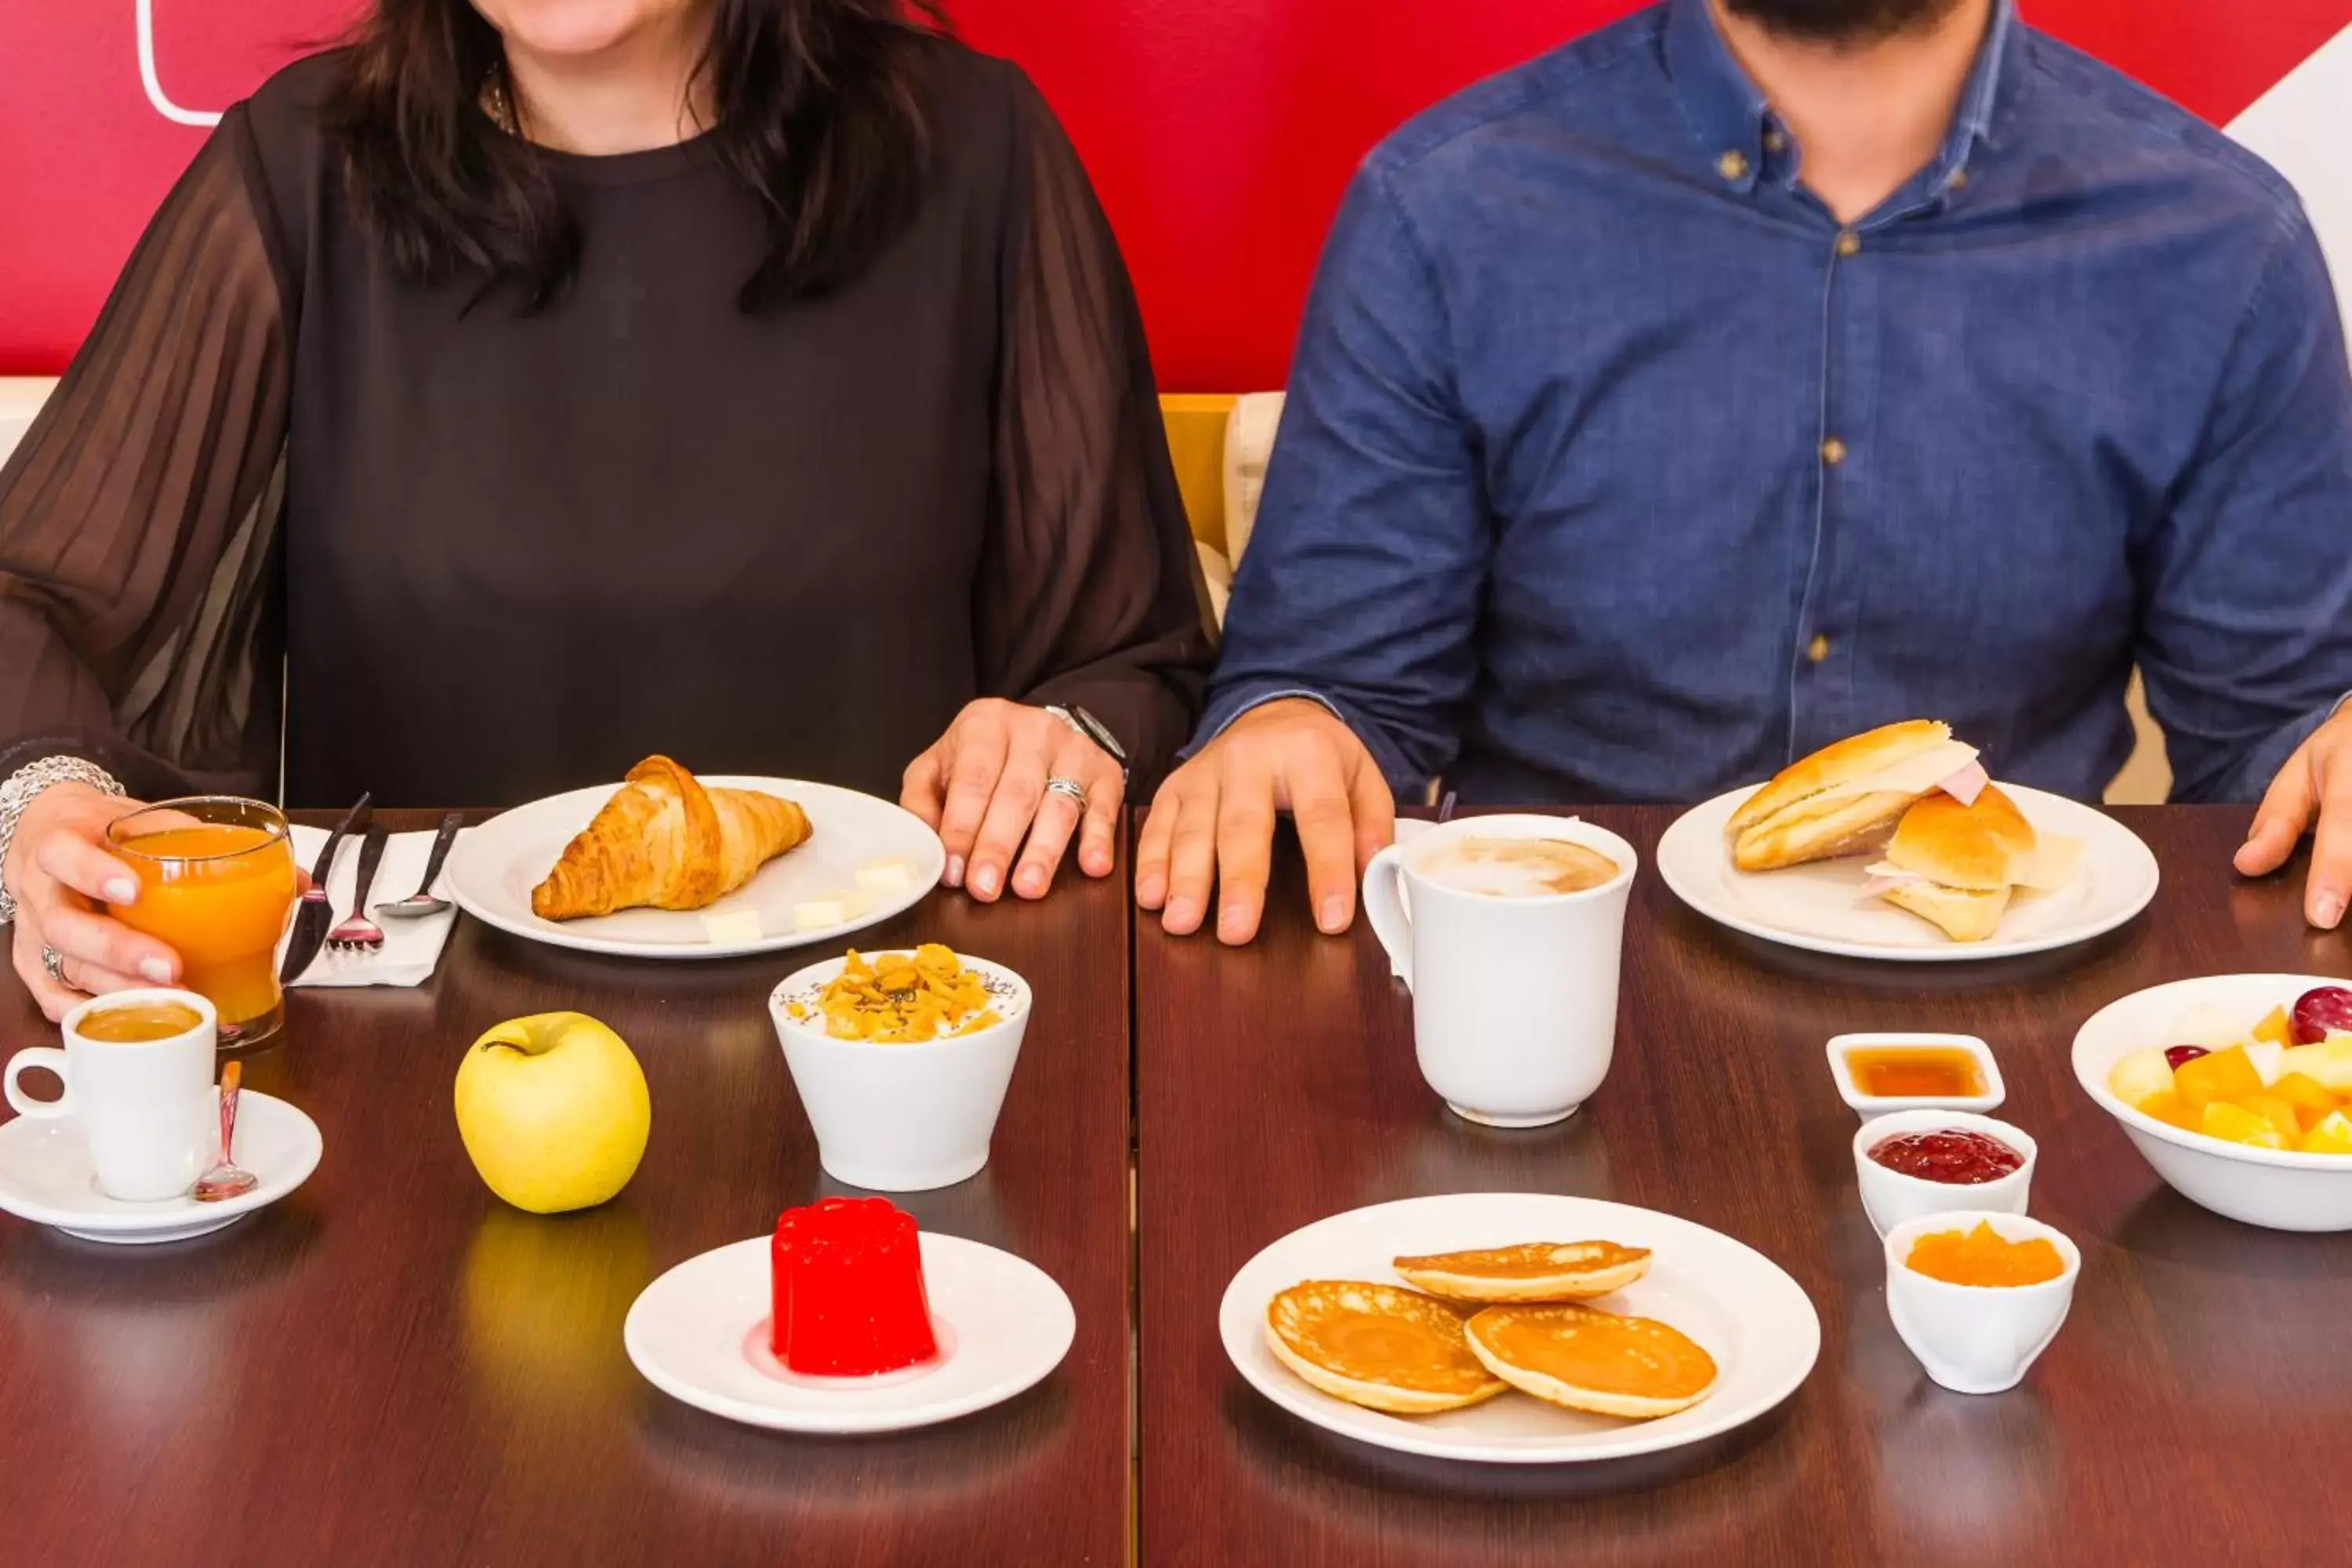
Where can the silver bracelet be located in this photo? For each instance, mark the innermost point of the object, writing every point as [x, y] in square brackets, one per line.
[17, 793]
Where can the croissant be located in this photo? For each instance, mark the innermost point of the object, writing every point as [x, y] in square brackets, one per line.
[664, 840]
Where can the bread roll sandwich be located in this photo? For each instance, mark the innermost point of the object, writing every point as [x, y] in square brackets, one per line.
[1845, 799]
[1956, 865]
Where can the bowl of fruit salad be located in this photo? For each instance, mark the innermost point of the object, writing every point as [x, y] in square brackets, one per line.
[2238, 1089]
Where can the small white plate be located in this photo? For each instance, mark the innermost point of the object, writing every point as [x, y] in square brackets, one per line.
[699, 1334]
[1740, 1306]
[493, 868]
[1819, 907]
[46, 1176]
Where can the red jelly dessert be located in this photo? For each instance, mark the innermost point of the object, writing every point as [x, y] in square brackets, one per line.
[848, 1277]
[1961, 1158]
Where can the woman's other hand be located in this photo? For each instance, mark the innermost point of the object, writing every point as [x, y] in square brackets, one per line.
[982, 786]
[60, 872]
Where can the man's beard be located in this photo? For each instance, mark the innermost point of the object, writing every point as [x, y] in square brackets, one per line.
[1842, 21]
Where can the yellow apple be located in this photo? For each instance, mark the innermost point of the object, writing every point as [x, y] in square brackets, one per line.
[553, 1111]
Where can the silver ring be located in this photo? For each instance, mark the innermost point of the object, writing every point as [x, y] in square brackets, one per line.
[55, 962]
[1070, 787]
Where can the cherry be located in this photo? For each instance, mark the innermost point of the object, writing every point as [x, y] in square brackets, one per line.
[2176, 1056]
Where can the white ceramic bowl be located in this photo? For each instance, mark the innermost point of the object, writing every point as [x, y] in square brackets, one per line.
[1891, 1198]
[1977, 1338]
[1867, 1106]
[2277, 1188]
[901, 1118]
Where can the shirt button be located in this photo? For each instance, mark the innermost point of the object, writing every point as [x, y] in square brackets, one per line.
[1832, 451]
[1818, 649]
[1958, 180]
[1849, 243]
[1732, 165]
[1776, 140]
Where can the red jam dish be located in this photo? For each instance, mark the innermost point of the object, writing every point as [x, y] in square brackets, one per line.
[849, 1279]
[1954, 1155]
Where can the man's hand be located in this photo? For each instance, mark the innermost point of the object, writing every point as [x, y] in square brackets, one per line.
[2316, 783]
[1212, 821]
[983, 788]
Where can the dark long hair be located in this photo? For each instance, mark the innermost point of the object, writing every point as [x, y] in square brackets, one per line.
[818, 111]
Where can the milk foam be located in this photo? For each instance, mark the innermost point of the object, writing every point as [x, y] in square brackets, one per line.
[1515, 867]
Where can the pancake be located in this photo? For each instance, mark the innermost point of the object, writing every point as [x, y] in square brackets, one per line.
[1381, 1346]
[1531, 1271]
[1589, 1360]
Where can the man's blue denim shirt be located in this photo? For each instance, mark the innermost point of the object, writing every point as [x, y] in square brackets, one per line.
[1614, 468]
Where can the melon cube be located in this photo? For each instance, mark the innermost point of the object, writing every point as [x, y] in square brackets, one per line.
[2139, 1075]
[2332, 1136]
[2306, 1094]
[2280, 1113]
[2267, 1057]
[2275, 1026]
[2170, 1108]
[2224, 1075]
[2236, 1124]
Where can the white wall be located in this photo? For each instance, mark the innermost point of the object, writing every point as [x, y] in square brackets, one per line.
[2302, 126]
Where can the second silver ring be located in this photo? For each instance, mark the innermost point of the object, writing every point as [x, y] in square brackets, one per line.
[1070, 787]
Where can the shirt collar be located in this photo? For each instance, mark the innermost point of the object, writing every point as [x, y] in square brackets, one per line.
[1728, 113]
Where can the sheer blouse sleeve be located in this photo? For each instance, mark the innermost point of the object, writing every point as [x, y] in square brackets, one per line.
[137, 515]
[1090, 592]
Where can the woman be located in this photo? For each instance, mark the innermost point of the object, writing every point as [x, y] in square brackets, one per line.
[552, 381]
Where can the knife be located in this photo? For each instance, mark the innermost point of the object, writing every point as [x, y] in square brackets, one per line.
[314, 914]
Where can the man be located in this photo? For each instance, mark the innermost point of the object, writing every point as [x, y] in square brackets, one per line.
[1752, 372]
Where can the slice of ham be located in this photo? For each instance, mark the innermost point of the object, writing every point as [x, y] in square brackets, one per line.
[1966, 784]
[1884, 877]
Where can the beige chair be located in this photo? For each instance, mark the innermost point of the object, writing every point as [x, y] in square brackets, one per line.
[1220, 445]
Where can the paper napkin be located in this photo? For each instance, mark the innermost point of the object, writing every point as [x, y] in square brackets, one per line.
[411, 948]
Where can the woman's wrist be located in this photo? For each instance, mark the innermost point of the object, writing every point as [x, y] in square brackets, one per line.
[21, 788]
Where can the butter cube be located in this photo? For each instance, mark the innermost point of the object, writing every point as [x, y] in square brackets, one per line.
[732, 927]
[816, 914]
[884, 879]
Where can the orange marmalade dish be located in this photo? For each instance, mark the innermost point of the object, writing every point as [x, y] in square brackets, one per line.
[899, 998]
[1982, 1256]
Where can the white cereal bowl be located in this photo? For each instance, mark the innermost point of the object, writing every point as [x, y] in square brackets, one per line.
[1977, 1338]
[1868, 1106]
[2279, 1189]
[1891, 1198]
[905, 1117]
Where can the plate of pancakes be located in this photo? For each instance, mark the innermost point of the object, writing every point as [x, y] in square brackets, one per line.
[1518, 1328]
[1896, 844]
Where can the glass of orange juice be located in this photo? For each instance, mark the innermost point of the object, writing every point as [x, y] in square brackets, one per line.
[216, 881]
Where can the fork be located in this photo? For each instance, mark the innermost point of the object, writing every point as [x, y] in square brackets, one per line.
[358, 934]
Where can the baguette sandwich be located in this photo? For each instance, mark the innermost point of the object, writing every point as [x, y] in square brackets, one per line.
[1958, 865]
[1845, 799]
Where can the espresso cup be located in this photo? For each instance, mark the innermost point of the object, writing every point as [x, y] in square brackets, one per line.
[1513, 994]
[147, 1108]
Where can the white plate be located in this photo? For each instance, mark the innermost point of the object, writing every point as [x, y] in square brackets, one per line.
[1756, 1321]
[493, 868]
[46, 1176]
[699, 1334]
[1818, 907]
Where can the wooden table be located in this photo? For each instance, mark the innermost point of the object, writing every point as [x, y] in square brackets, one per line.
[394, 1367]
[2197, 1402]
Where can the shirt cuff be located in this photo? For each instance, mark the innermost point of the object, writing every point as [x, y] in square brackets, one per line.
[1230, 703]
[2251, 779]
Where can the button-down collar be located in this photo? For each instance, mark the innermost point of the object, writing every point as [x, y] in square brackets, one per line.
[1732, 122]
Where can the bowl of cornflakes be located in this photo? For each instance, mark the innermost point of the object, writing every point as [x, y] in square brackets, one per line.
[901, 1061]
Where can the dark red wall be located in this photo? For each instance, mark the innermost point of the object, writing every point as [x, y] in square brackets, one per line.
[1221, 131]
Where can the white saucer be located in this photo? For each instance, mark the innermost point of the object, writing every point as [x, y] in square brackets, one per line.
[1742, 1309]
[46, 1176]
[698, 1333]
[493, 868]
[1819, 907]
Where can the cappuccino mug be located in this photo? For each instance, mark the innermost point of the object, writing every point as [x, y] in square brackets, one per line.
[1509, 932]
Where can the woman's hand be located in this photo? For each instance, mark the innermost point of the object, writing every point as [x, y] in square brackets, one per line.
[60, 872]
[982, 786]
